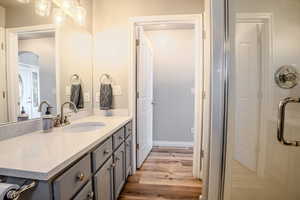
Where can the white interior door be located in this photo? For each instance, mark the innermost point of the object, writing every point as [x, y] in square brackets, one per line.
[29, 90]
[145, 97]
[3, 86]
[247, 74]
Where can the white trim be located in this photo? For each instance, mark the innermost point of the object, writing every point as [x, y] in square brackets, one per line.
[199, 71]
[172, 144]
[12, 63]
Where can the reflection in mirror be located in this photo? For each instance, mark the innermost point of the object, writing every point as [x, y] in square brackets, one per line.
[36, 73]
[38, 60]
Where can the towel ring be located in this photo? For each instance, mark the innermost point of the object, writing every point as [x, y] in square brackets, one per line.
[104, 77]
[75, 79]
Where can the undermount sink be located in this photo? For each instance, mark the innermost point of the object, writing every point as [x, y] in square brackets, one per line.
[83, 127]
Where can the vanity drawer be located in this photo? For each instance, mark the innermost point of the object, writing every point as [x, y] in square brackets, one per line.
[101, 154]
[118, 138]
[69, 183]
[86, 193]
[128, 129]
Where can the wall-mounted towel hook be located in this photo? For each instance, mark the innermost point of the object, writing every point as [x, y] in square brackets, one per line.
[75, 79]
[104, 77]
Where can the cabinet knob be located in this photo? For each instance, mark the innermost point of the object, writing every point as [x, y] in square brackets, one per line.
[80, 176]
[90, 195]
[113, 165]
[105, 152]
[120, 138]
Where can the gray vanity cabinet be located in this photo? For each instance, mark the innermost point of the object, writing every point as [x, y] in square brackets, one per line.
[103, 182]
[119, 170]
[99, 175]
[69, 183]
[86, 193]
[128, 150]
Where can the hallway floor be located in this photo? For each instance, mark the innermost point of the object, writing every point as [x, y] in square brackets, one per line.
[165, 175]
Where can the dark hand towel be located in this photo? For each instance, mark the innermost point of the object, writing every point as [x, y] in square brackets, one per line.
[106, 96]
[77, 96]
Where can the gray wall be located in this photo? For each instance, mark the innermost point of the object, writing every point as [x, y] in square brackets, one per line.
[174, 76]
[45, 49]
[111, 35]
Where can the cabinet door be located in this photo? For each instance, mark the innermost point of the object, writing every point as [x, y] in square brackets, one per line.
[128, 146]
[104, 182]
[86, 193]
[119, 170]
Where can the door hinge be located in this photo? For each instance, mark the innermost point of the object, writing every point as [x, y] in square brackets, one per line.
[204, 34]
[137, 146]
[3, 94]
[2, 46]
[137, 42]
[137, 95]
[203, 94]
[202, 154]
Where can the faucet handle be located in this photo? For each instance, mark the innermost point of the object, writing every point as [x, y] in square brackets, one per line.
[66, 120]
[57, 121]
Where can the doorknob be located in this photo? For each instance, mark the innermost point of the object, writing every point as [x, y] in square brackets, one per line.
[281, 121]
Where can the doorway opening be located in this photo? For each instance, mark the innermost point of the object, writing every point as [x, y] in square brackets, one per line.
[165, 87]
[167, 90]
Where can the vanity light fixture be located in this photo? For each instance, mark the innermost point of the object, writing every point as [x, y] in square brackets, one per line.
[24, 1]
[58, 16]
[67, 4]
[43, 7]
[71, 8]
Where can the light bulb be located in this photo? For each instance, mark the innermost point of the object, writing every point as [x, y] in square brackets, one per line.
[43, 7]
[80, 15]
[58, 16]
[67, 4]
[24, 1]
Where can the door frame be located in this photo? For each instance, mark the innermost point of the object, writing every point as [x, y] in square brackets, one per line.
[12, 63]
[201, 82]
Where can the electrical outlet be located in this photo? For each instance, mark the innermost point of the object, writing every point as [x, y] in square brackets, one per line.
[97, 100]
[117, 90]
[68, 91]
[86, 97]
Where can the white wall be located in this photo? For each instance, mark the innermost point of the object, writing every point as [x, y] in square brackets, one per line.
[111, 35]
[174, 74]
[2, 17]
[45, 49]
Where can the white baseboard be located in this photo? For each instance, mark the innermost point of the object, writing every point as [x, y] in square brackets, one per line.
[172, 144]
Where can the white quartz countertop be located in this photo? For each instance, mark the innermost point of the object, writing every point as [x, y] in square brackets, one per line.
[40, 156]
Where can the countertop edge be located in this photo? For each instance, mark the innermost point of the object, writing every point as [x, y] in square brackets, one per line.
[41, 176]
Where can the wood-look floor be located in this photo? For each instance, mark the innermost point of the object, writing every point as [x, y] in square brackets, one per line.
[165, 175]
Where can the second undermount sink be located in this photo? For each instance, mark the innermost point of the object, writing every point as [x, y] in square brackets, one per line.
[83, 127]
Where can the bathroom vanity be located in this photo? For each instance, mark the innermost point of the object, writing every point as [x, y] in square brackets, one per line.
[71, 163]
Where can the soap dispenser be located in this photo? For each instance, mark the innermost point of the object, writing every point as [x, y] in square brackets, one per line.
[47, 119]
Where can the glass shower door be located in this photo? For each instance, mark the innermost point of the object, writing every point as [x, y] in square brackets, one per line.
[263, 155]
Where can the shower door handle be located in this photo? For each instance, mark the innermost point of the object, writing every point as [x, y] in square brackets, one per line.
[281, 121]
